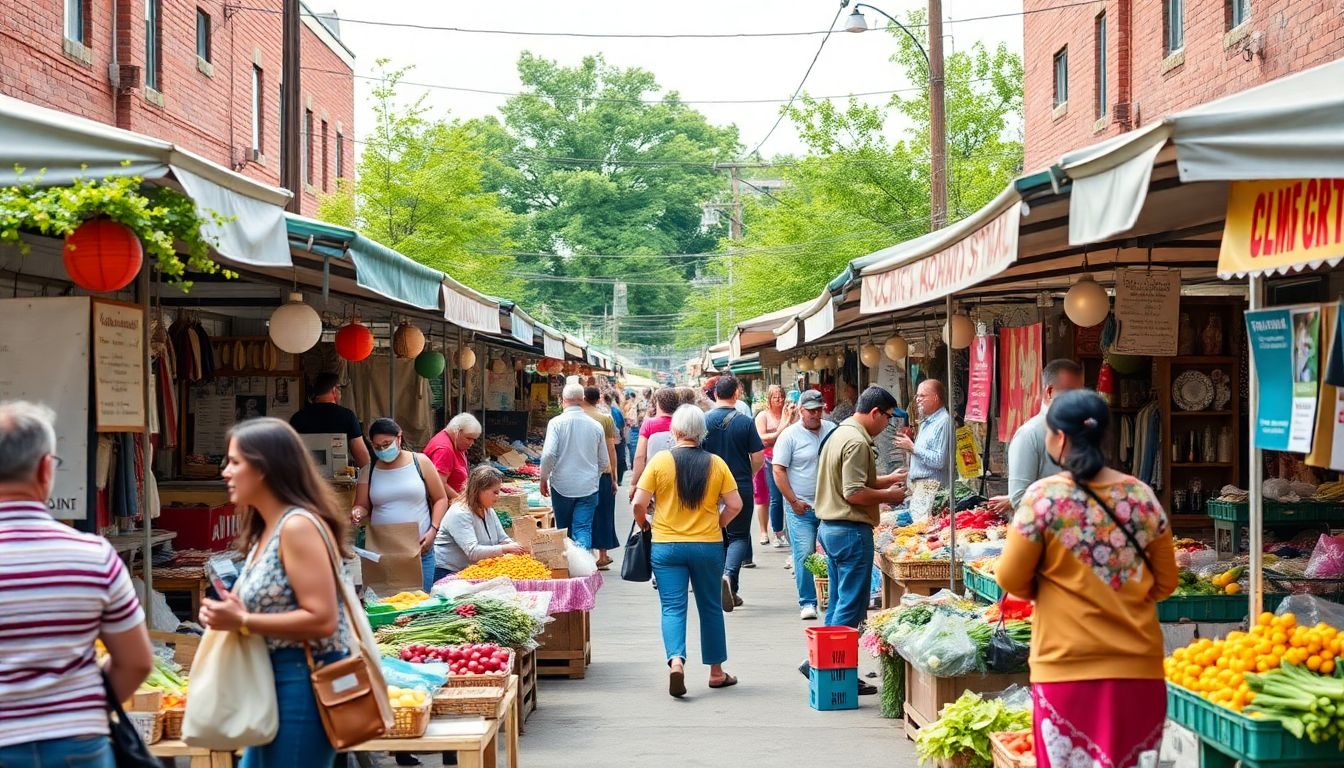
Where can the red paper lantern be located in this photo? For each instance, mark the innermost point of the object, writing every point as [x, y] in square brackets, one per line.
[354, 341]
[103, 256]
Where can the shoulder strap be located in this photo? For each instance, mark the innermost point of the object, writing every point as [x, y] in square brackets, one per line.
[333, 559]
[822, 444]
[1133, 540]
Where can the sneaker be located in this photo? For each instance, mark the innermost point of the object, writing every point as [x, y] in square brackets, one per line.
[788, 564]
[748, 564]
[867, 689]
[765, 540]
[727, 597]
[808, 613]
[780, 543]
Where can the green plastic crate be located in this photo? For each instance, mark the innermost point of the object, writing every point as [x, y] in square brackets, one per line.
[1304, 511]
[382, 615]
[1216, 608]
[1259, 742]
[981, 584]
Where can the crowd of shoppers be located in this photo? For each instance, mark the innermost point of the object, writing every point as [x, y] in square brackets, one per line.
[773, 419]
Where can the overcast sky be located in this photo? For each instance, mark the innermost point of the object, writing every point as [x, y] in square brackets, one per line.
[739, 68]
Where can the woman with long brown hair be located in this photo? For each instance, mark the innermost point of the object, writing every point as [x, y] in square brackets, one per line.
[471, 529]
[287, 591]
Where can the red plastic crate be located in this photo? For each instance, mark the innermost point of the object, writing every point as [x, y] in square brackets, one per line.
[832, 647]
[200, 527]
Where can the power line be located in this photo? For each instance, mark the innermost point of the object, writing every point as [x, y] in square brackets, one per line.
[801, 83]
[781, 249]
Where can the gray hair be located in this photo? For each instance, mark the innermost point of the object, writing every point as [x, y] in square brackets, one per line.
[573, 392]
[463, 424]
[689, 422]
[27, 434]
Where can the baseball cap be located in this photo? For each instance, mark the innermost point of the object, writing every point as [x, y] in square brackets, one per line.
[811, 400]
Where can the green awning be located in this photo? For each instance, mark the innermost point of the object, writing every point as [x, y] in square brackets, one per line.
[377, 267]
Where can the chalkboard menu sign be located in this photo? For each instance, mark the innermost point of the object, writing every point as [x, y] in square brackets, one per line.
[512, 424]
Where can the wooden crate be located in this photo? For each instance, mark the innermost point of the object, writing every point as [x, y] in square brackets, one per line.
[926, 694]
[1004, 758]
[566, 646]
[525, 667]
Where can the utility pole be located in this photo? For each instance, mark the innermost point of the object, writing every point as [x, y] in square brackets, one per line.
[291, 174]
[937, 120]
[618, 308]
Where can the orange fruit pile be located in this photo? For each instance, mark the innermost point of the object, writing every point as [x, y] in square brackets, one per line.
[1216, 669]
[516, 567]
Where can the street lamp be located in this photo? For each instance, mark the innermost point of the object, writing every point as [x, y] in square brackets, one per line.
[933, 63]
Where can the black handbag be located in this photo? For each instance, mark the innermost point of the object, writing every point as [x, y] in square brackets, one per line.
[128, 749]
[637, 562]
[1006, 655]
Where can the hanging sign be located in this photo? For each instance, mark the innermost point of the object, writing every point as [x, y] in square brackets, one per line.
[1019, 377]
[499, 390]
[981, 380]
[1282, 224]
[1147, 311]
[1285, 343]
[118, 366]
[979, 255]
[968, 454]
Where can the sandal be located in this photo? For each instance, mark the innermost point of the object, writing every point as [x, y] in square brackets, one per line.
[676, 683]
[727, 682]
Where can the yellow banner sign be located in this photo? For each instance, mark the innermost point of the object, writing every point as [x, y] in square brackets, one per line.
[1274, 225]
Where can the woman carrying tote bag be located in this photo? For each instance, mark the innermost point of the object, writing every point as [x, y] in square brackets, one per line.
[288, 592]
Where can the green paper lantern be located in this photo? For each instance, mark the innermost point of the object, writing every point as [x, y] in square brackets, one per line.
[430, 364]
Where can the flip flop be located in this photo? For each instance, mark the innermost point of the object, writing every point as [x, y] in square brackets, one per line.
[676, 684]
[727, 682]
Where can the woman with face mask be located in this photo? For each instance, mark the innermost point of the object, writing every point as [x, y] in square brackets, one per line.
[400, 494]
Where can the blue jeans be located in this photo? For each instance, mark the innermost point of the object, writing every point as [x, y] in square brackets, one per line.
[427, 570]
[849, 561]
[803, 542]
[68, 752]
[700, 564]
[577, 515]
[300, 741]
[632, 444]
[737, 541]
[776, 500]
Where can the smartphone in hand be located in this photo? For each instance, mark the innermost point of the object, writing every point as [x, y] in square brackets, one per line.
[223, 574]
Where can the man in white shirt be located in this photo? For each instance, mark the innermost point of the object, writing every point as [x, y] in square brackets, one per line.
[795, 473]
[573, 459]
[1028, 460]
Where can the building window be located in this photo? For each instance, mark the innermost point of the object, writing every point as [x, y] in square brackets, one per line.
[75, 20]
[1100, 58]
[258, 113]
[202, 35]
[1173, 20]
[153, 45]
[1062, 76]
[340, 155]
[1238, 11]
[324, 155]
[307, 146]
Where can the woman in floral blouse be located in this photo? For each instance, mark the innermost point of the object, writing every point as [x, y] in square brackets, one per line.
[1093, 548]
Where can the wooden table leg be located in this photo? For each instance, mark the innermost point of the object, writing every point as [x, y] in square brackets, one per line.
[217, 760]
[490, 754]
[515, 723]
[469, 759]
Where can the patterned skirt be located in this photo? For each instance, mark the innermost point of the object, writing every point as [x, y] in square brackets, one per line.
[1099, 723]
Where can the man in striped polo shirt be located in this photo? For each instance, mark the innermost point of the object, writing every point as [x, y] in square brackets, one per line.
[59, 591]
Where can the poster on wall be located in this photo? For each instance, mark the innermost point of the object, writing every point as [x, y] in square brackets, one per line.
[1147, 311]
[889, 375]
[981, 379]
[1285, 343]
[968, 454]
[118, 366]
[499, 390]
[1019, 377]
[48, 363]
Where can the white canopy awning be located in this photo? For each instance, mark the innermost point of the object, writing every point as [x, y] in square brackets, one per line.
[468, 309]
[759, 330]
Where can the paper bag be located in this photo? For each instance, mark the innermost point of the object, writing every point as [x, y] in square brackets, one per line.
[548, 546]
[524, 529]
[398, 567]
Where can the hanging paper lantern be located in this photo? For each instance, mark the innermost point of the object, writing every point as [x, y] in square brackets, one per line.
[870, 355]
[1106, 382]
[408, 341]
[498, 365]
[103, 256]
[896, 348]
[430, 364]
[295, 327]
[466, 358]
[354, 342]
[804, 363]
[586, 370]
[1086, 303]
[963, 331]
[821, 362]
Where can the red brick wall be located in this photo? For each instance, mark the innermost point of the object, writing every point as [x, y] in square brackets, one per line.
[209, 114]
[1293, 35]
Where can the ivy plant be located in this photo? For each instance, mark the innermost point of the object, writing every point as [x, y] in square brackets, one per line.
[167, 222]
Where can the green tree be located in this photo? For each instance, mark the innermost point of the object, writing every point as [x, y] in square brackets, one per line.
[600, 162]
[420, 189]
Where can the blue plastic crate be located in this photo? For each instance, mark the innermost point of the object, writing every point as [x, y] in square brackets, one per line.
[831, 689]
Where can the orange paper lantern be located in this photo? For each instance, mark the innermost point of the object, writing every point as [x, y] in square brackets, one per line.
[103, 256]
[354, 341]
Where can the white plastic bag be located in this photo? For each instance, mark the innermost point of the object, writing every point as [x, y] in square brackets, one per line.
[161, 617]
[232, 702]
[581, 562]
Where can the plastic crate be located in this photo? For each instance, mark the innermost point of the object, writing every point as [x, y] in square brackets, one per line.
[832, 647]
[1305, 511]
[382, 615]
[1255, 741]
[982, 584]
[832, 689]
[1223, 608]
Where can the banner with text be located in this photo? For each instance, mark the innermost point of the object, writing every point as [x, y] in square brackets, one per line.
[1019, 377]
[1282, 224]
[981, 380]
[1285, 343]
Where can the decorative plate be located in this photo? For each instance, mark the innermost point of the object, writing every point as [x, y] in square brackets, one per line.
[1192, 391]
[1222, 390]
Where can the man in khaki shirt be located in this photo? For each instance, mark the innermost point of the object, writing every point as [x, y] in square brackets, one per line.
[849, 492]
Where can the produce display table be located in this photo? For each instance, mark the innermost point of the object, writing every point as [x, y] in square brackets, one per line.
[891, 591]
[566, 646]
[1227, 738]
[177, 580]
[474, 739]
[926, 694]
[197, 756]
[914, 577]
[525, 667]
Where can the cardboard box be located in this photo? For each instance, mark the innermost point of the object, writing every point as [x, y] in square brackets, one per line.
[144, 700]
[549, 547]
[200, 527]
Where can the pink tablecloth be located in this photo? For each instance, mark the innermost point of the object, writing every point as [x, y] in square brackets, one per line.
[577, 594]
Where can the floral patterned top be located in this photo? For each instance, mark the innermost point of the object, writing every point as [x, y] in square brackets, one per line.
[264, 587]
[1058, 506]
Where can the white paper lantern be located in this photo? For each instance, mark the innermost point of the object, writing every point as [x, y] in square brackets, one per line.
[870, 355]
[896, 348]
[821, 362]
[805, 363]
[408, 341]
[1086, 303]
[963, 331]
[466, 358]
[295, 327]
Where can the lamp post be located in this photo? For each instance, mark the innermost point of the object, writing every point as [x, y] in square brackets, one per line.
[933, 62]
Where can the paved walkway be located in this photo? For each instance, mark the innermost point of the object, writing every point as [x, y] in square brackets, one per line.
[620, 715]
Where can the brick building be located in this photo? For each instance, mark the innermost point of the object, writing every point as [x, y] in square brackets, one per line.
[1094, 71]
[203, 75]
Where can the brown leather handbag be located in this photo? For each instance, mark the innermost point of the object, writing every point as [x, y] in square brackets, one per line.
[351, 693]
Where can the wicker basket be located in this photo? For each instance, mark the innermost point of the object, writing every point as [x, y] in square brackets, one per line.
[148, 724]
[410, 722]
[498, 680]
[922, 570]
[460, 700]
[1006, 758]
[823, 591]
[172, 722]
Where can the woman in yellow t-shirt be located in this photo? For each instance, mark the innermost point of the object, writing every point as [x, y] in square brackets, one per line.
[696, 497]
